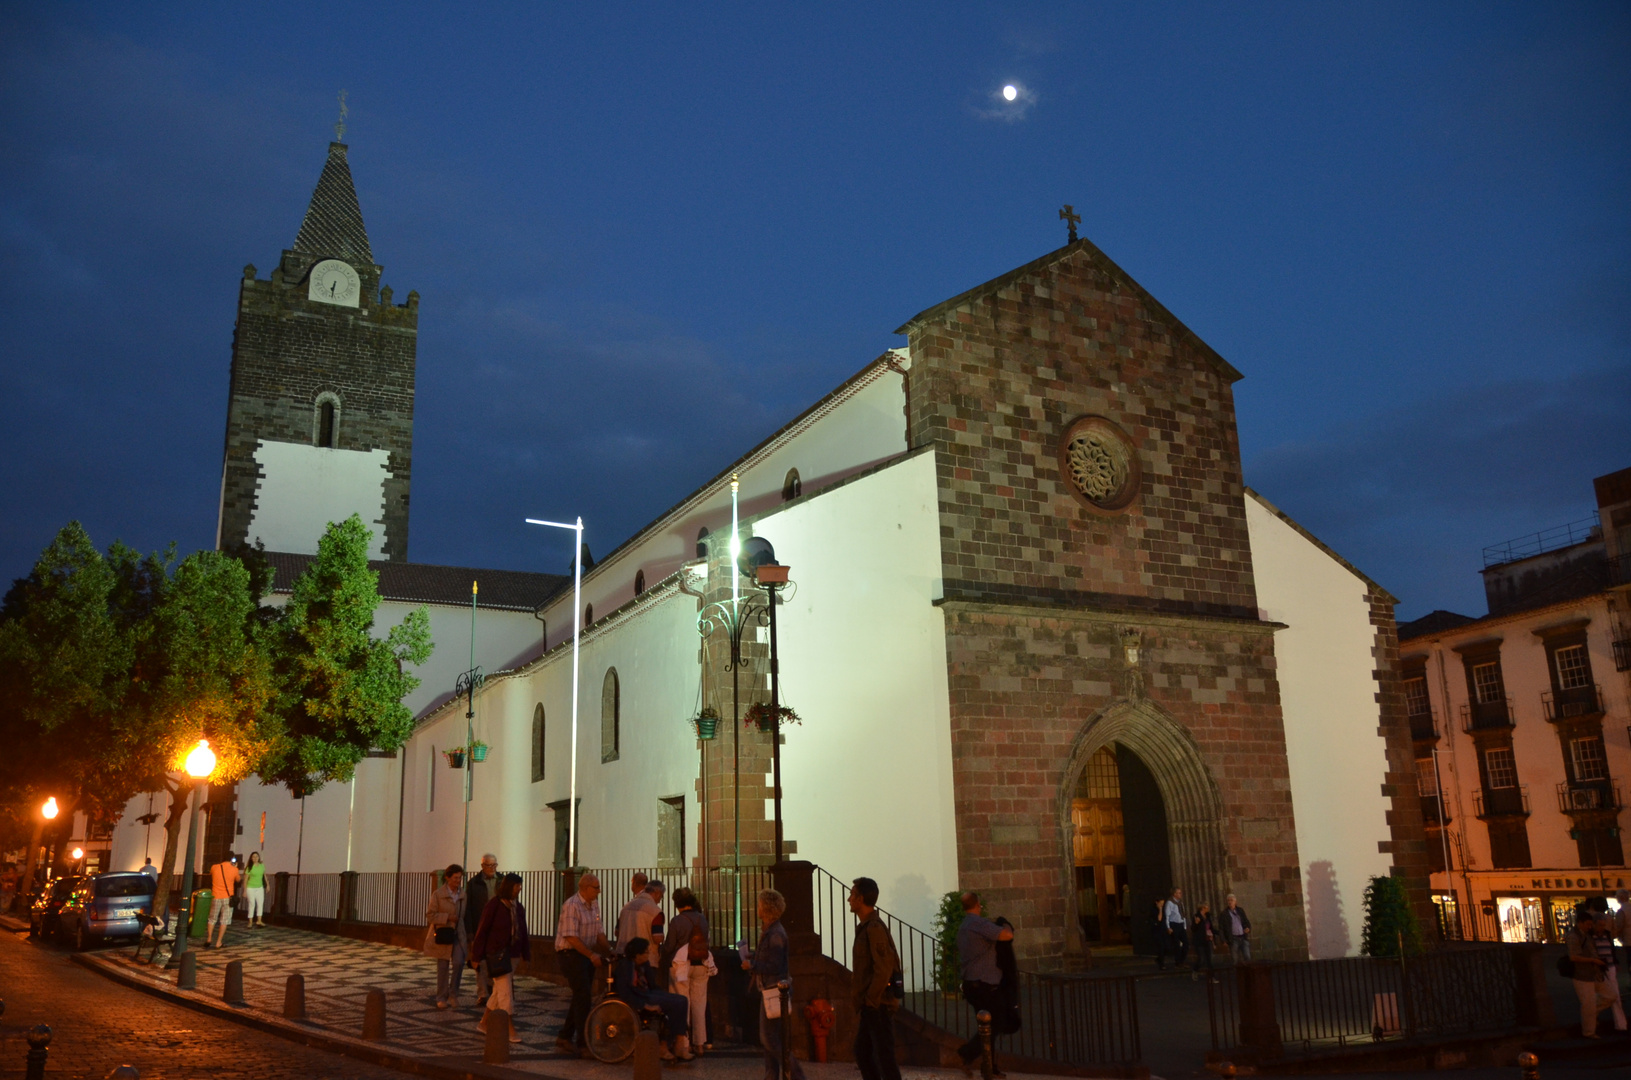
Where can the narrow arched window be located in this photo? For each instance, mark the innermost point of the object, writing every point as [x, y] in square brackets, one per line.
[792, 486]
[538, 742]
[325, 421]
[588, 614]
[611, 708]
[639, 582]
[702, 542]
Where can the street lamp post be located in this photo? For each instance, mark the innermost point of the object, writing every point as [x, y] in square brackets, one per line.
[577, 634]
[199, 764]
[48, 812]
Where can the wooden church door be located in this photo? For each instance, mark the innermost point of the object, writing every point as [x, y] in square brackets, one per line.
[1100, 849]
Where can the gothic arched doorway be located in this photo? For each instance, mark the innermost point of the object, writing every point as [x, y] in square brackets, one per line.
[1140, 813]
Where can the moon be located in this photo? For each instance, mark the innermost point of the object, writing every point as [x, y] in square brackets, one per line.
[1010, 92]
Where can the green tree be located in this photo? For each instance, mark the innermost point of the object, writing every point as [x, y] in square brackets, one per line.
[340, 689]
[1390, 921]
[948, 919]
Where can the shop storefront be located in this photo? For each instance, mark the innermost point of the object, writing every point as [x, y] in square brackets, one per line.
[1529, 906]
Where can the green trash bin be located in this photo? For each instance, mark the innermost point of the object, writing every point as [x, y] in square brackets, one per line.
[201, 913]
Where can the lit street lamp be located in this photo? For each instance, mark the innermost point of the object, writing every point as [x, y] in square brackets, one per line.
[199, 764]
[48, 812]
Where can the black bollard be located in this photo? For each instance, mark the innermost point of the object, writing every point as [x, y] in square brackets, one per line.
[373, 1016]
[648, 1059]
[987, 1067]
[233, 991]
[1530, 1064]
[39, 1038]
[497, 1050]
[294, 998]
[187, 977]
[125, 1072]
[787, 1048]
[1227, 1070]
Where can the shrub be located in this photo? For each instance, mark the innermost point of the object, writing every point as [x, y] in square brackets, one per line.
[1389, 919]
[949, 965]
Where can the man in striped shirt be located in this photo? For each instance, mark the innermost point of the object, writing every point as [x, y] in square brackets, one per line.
[581, 947]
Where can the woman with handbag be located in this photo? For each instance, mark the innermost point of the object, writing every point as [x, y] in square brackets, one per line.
[770, 966]
[501, 939]
[445, 940]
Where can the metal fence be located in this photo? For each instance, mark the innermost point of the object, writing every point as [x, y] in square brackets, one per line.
[315, 895]
[1329, 1004]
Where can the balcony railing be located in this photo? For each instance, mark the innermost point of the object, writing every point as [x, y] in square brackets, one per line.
[1486, 715]
[1501, 802]
[1622, 655]
[1433, 810]
[1424, 726]
[1568, 704]
[1585, 795]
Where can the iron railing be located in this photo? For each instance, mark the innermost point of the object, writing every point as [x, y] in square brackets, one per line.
[1486, 715]
[1582, 795]
[1571, 703]
[1329, 1004]
[1558, 536]
[1424, 726]
[1501, 802]
[315, 895]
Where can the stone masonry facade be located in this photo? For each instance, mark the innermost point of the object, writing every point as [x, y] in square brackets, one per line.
[1044, 594]
[287, 350]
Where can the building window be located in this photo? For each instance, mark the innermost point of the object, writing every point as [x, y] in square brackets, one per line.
[671, 832]
[588, 614]
[430, 784]
[325, 421]
[611, 708]
[639, 582]
[1573, 669]
[792, 486]
[702, 542]
[1426, 778]
[563, 831]
[1587, 758]
[1415, 697]
[1500, 768]
[1486, 681]
[538, 742]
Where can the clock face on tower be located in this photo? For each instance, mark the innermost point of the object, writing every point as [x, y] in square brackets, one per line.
[335, 282]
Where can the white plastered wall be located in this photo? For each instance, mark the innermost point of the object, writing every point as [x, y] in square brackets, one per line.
[302, 488]
[1338, 760]
[867, 780]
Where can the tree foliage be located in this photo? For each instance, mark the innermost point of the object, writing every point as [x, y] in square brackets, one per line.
[1390, 921]
[340, 689]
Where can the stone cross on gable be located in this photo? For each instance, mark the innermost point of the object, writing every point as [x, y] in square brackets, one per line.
[339, 125]
[1071, 218]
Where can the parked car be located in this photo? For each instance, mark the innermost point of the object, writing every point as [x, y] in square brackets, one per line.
[105, 906]
[45, 914]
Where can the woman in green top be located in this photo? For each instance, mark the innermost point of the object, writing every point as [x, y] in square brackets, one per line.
[255, 889]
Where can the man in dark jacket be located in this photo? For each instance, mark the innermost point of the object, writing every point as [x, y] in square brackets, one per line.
[977, 940]
[873, 964]
[1237, 929]
[481, 888]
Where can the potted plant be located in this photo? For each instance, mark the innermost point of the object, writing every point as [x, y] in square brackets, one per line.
[455, 757]
[478, 751]
[707, 723]
[761, 716]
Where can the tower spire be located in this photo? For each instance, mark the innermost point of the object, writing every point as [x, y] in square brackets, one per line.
[333, 225]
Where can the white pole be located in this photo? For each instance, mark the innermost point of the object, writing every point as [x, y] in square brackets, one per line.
[577, 634]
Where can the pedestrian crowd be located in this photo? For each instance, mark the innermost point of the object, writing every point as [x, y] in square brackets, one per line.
[1175, 932]
[1590, 962]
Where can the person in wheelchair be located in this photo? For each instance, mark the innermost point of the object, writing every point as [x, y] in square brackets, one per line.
[635, 981]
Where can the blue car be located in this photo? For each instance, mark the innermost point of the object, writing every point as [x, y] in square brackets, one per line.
[106, 906]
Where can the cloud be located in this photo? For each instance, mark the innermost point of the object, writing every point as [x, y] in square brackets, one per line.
[994, 106]
[1411, 496]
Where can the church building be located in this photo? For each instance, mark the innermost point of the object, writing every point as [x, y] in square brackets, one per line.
[1041, 638]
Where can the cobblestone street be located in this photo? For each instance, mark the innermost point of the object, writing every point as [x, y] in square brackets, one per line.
[97, 1024]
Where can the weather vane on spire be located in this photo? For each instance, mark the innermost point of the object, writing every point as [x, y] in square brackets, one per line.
[1071, 218]
[339, 125]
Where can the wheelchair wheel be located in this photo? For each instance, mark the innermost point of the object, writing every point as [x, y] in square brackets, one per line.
[610, 1030]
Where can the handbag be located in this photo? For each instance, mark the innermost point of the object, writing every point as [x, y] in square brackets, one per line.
[772, 996]
[447, 935]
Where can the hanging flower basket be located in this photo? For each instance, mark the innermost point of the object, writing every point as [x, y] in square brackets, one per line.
[760, 716]
[707, 723]
[478, 751]
[455, 758]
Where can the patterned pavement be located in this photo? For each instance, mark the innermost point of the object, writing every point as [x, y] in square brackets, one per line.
[339, 972]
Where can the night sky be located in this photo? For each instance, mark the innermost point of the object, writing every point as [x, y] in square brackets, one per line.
[647, 238]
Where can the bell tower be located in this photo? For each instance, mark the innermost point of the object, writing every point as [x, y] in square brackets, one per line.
[320, 410]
